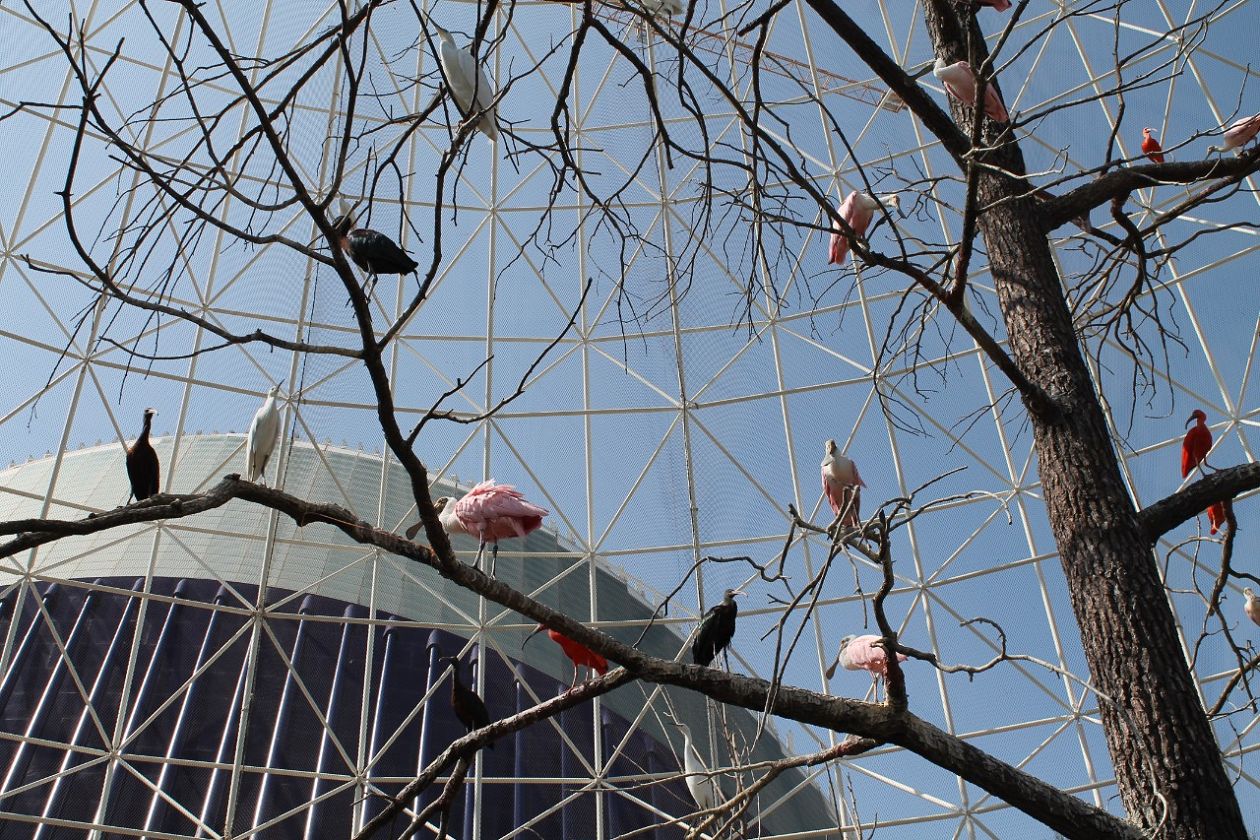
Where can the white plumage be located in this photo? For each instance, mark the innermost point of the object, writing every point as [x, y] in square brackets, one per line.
[262, 436]
[1252, 606]
[468, 84]
[700, 782]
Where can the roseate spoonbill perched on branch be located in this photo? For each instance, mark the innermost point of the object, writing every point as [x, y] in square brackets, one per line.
[1239, 134]
[490, 512]
[960, 82]
[857, 210]
[859, 653]
[580, 655]
[468, 707]
[717, 628]
[372, 251]
[699, 778]
[1151, 147]
[143, 468]
[1252, 605]
[263, 432]
[842, 485]
[1196, 443]
[467, 82]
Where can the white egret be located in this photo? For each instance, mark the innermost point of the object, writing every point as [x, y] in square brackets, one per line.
[263, 432]
[467, 83]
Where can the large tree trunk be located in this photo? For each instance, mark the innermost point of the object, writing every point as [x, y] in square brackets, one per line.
[1162, 746]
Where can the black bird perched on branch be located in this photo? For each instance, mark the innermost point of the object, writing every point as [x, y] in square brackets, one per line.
[142, 462]
[716, 629]
[467, 705]
[372, 251]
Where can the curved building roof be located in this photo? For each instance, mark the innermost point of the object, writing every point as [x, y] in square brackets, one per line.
[320, 584]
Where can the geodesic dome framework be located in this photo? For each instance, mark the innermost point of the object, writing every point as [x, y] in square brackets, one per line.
[657, 433]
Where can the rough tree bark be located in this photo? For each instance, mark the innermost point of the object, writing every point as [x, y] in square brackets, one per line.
[1167, 762]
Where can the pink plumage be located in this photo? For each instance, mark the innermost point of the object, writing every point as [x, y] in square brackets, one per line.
[960, 81]
[842, 485]
[859, 653]
[492, 512]
[1238, 134]
[857, 209]
[999, 5]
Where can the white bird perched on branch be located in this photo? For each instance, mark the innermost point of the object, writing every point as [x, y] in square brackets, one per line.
[262, 436]
[842, 485]
[1252, 606]
[467, 82]
[700, 780]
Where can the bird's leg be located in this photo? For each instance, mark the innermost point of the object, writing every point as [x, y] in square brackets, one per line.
[481, 548]
[577, 669]
[494, 557]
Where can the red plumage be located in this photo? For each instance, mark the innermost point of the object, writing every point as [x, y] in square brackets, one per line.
[1216, 516]
[1151, 147]
[1197, 442]
[580, 655]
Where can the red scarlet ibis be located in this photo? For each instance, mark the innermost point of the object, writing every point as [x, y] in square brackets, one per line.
[1252, 606]
[580, 655]
[842, 485]
[467, 705]
[142, 462]
[1239, 134]
[263, 432]
[999, 5]
[467, 83]
[857, 210]
[859, 653]
[1216, 516]
[1151, 147]
[490, 512]
[960, 81]
[717, 628]
[1196, 443]
[700, 780]
[372, 251]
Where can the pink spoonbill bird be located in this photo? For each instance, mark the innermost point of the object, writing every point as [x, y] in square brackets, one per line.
[998, 5]
[960, 82]
[857, 210]
[1239, 134]
[490, 512]
[842, 485]
[1252, 606]
[858, 653]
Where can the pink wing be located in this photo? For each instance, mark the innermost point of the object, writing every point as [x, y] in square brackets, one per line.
[994, 109]
[1242, 131]
[498, 511]
[961, 83]
[1000, 5]
[863, 654]
[839, 242]
[832, 495]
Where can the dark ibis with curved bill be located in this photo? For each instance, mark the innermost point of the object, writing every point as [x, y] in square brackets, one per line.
[143, 468]
[716, 629]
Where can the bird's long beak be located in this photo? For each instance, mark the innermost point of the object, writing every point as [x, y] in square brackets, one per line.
[532, 634]
[1191, 420]
[920, 72]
